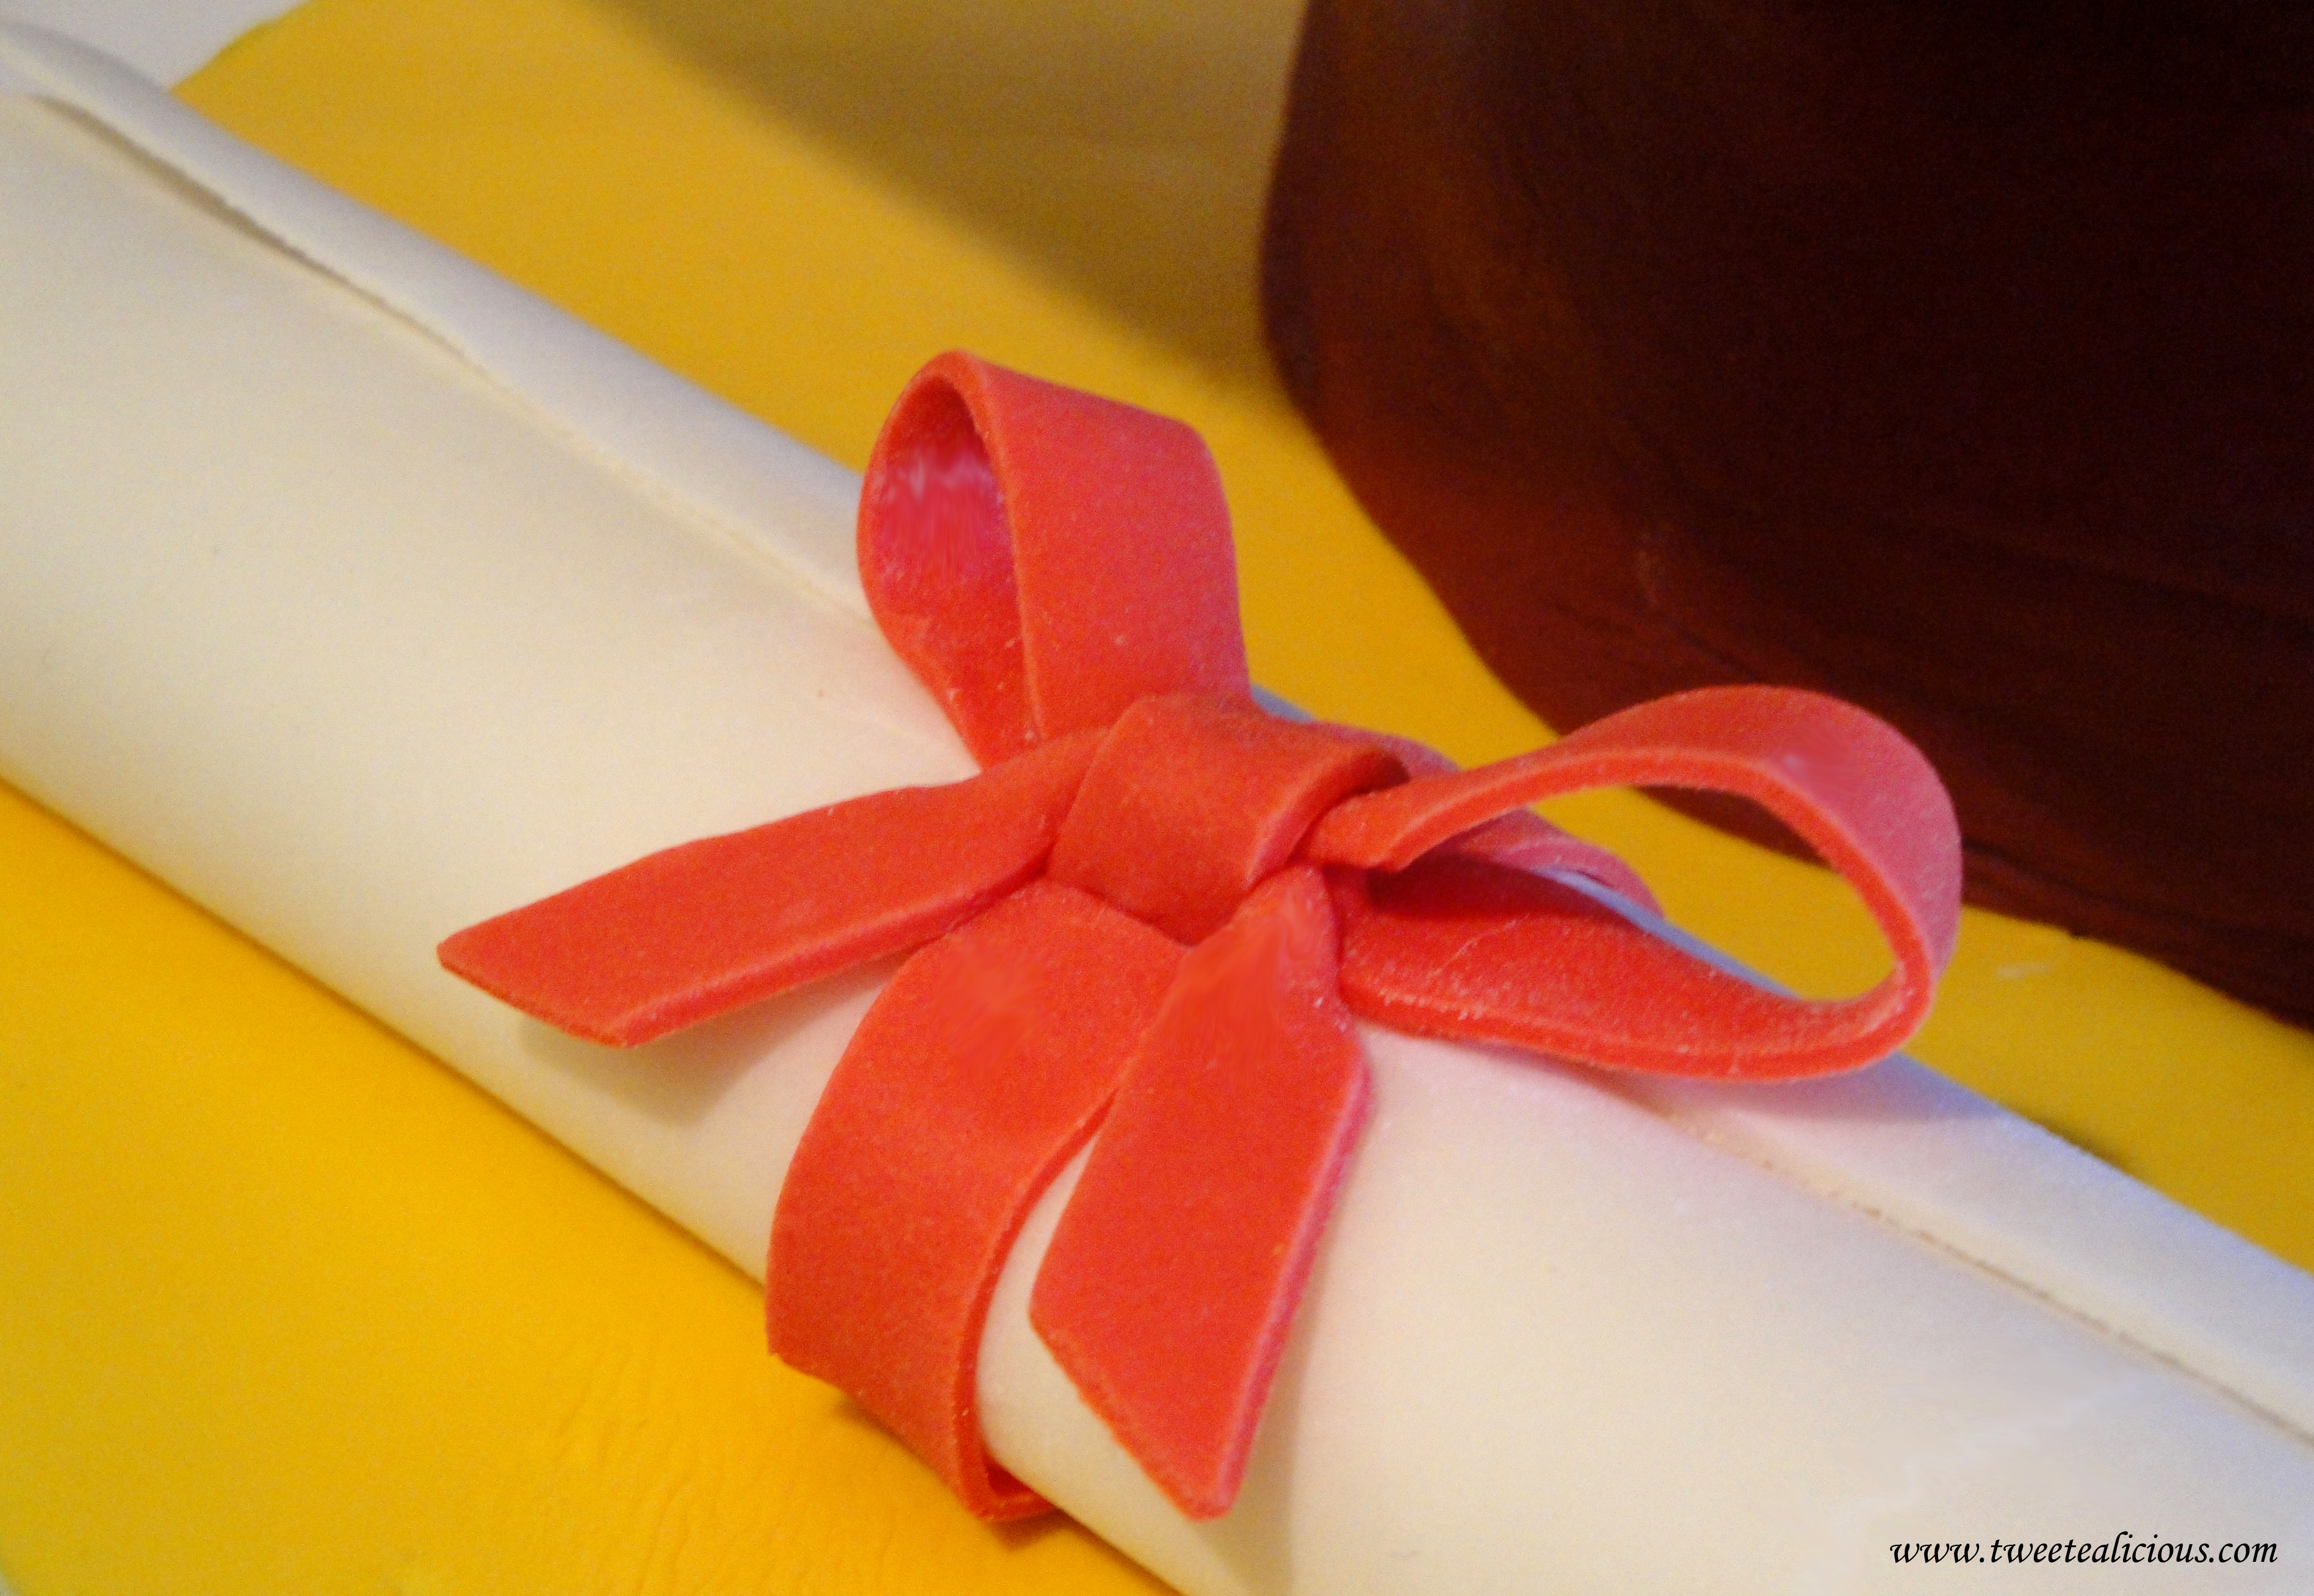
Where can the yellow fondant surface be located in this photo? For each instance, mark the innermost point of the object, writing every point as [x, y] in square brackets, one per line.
[285, 1306]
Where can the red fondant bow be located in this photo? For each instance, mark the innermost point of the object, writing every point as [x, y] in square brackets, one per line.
[1155, 912]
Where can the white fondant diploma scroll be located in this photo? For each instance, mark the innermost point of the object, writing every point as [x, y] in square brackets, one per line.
[362, 596]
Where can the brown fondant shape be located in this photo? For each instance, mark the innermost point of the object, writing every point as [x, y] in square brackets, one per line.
[1959, 360]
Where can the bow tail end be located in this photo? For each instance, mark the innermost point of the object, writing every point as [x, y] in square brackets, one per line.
[699, 929]
[1172, 1280]
[973, 1079]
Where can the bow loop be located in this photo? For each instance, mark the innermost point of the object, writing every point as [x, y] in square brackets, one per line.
[1451, 950]
[1041, 557]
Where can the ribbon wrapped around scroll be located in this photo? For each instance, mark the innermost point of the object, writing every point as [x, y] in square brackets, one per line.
[1154, 915]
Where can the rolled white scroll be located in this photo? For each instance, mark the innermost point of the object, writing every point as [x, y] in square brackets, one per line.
[363, 597]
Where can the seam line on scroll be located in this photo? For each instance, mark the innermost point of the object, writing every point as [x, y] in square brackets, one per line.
[229, 172]
[1941, 1241]
[2169, 1342]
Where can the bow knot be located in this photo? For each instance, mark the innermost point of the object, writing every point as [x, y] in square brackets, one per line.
[1194, 800]
[1153, 915]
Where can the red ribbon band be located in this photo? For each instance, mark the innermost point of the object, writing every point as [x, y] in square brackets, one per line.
[1154, 915]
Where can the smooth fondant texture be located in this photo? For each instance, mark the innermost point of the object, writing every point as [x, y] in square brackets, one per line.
[163, 42]
[1618, 1546]
[1193, 801]
[829, 221]
[1949, 361]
